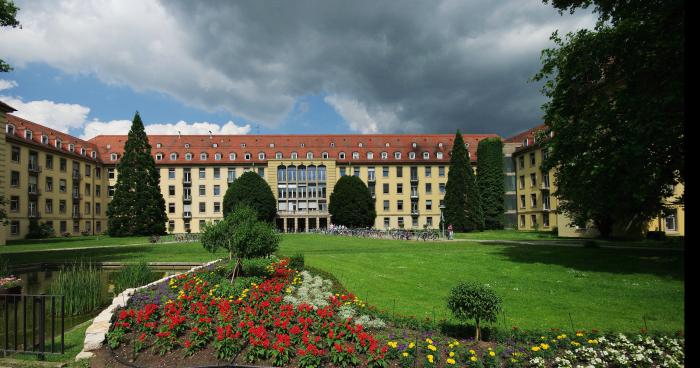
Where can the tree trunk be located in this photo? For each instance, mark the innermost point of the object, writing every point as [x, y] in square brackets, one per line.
[478, 331]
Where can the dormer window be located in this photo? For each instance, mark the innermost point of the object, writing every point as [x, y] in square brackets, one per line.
[324, 155]
[83, 151]
[188, 156]
[332, 144]
[439, 155]
[215, 145]
[414, 145]
[203, 156]
[232, 156]
[302, 145]
[360, 145]
[526, 142]
[159, 156]
[356, 155]
[261, 156]
[71, 147]
[397, 155]
[370, 155]
[44, 139]
[93, 154]
[294, 156]
[272, 145]
[113, 156]
[412, 155]
[278, 155]
[28, 134]
[173, 156]
[242, 145]
[385, 155]
[426, 155]
[59, 144]
[158, 145]
[386, 144]
[217, 156]
[341, 156]
[187, 145]
[309, 155]
[440, 145]
[246, 156]
[10, 129]
[109, 146]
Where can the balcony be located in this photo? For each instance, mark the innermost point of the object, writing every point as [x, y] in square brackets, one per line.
[544, 186]
[230, 179]
[33, 190]
[187, 214]
[76, 215]
[76, 175]
[415, 212]
[414, 194]
[33, 214]
[414, 178]
[34, 168]
[187, 180]
[371, 178]
[187, 199]
[546, 207]
[76, 196]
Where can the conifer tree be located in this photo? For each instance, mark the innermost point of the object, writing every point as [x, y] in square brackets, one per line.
[491, 181]
[462, 202]
[138, 207]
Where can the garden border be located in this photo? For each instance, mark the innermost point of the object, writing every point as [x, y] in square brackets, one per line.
[96, 333]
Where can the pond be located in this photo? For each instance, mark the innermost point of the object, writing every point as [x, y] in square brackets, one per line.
[38, 281]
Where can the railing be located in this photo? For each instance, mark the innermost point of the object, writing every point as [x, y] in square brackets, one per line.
[34, 168]
[371, 178]
[33, 214]
[33, 190]
[414, 194]
[187, 180]
[76, 215]
[187, 214]
[76, 175]
[187, 198]
[545, 186]
[414, 177]
[415, 212]
[25, 317]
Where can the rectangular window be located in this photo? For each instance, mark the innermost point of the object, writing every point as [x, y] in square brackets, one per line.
[533, 179]
[110, 173]
[98, 226]
[62, 185]
[88, 189]
[399, 205]
[49, 162]
[401, 224]
[88, 208]
[15, 154]
[88, 170]
[14, 227]
[533, 200]
[399, 171]
[429, 205]
[441, 171]
[533, 220]
[49, 206]
[217, 207]
[63, 165]
[386, 205]
[64, 226]
[202, 173]
[217, 173]
[76, 226]
[385, 171]
[98, 172]
[442, 188]
[110, 190]
[522, 201]
[49, 184]
[429, 221]
[171, 207]
[428, 188]
[545, 220]
[14, 204]
[356, 171]
[671, 223]
[385, 188]
[171, 173]
[399, 188]
[202, 207]
[521, 163]
[98, 209]
[521, 181]
[62, 207]
[14, 178]
[342, 171]
[231, 174]
[386, 222]
[202, 190]
[428, 171]
[217, 190]
[532, 159]
[522, 221]
[171, 190]
[171, 226]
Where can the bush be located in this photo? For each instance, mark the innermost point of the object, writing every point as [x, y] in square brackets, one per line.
[39, 231]
[470, 300]
[253, 191]
[256, 267]
[656, 235]
[296, 262]
[591, 244]
[133, 275]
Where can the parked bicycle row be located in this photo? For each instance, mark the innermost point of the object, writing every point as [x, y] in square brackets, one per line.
[399, 234]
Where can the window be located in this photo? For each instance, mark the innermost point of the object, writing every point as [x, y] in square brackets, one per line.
[399, 205]
[341, 156]
[370, 155]
[63, 164]
[441, 171]
[533, 220]
[309, 155]
[342, 171]
[399, 171]
[356, 155]
[429, 221]
[533, 200]
[671, 223]
[231, 174]
[442, 188]
[28, 134]
[522, 220]
[521, 162]
[171, 207]
[545, 219]
[110, 173]
[246, 156]
[98, 172]
[14, 204]
[522, 201]
[399, 188]
[113, 157]
[261, 156]
[217, 173]
[426, 155]
[428, 205]
[401, 224]
[14, 179]
[386, 205]
[10, 129]
[171, 172]
[88, 170]
[385, 188]
[202, 173]
[159, 156]
[278, 155]
[202, 207]
[15, 154]
[98, 209]
[324, 155]
[110, 190]
[385, 171]
[171, 190]
[356, 171]
[203, 156]
[521, 181]
[385, 155]
[386, 222]
[88, 189]
[62, 206]
[49, 162]
[439, 155]
[14, 227]
[231, 156]
[202, 190]
[428, 188]
[533, 179]
[412, 155]
[171, 226]
[88, 208]
[217, 207]
[64, 226]
[217, 190]
[98, 190]
[49, 184]
[532, 159]
[98, 226]
[397, 155]
[188, 156]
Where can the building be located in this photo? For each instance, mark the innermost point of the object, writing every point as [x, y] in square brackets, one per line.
[67, 182]
[534, 188]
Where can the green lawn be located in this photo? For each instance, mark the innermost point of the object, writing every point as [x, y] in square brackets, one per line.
[73, 344]
[71, 242]
[606, 289]
[508, 234]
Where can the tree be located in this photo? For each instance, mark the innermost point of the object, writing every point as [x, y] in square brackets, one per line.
[253, 191]
[616, 108]
[462, 203]
[138, 207]
[8, 18]
[491, 181]
[3, 211]
[351, 203]
[242, 234]
[469, 300]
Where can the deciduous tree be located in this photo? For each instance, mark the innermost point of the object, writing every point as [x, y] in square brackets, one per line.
[253, 191]
[351, 203]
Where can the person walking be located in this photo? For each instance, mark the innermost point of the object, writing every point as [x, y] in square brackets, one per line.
[450, 233]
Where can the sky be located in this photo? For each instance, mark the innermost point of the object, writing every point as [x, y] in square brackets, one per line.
[280, 67]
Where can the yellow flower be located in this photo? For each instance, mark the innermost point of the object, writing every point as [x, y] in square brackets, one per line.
[472, 352]
[535, 348]
[432, 347]
[473, 359]
[450, 361]
[575, 343]
[405, 354]
[452, 353]
[456, 343]
[428, 340]
[579, 334]
[544, 346]
[430, 358]
[491, 353]
[393, 344]
[411, 345]
[593, 341]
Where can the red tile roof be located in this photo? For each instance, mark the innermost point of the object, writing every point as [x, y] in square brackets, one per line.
[301, 144]
[528, 134]
[22, 126]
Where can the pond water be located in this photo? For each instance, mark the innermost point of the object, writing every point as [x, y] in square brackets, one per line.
[39, 282]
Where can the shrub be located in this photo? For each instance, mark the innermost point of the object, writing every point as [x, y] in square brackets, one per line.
[591, 244]
[296, 261]
[133, 275]
[252, 191]
[656, 235]
[256, 267]
[470, 300]
[39, 231]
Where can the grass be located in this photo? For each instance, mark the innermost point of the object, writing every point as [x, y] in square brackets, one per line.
[508, 234]
[15, 246]
[74, 339]
[80, 283]
[133, 275]
[606, 289]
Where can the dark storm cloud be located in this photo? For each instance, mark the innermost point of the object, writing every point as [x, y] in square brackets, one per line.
[392, 66]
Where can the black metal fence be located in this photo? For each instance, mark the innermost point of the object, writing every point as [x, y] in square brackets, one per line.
[32, 323]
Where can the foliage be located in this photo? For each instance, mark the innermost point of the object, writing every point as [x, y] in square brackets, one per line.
[133, 275]
[253, 191]
[39, 231]
[79, 283]
[3, 203]
[242, 234]
[8, 18]
[351, 203]
[616, 107]
[470, 300]
[491, 181]
[296, 262]
[138, 207]
[462, 201]
[256, 266]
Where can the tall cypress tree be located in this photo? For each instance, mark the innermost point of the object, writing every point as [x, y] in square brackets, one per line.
[138, 207]
[462, 202]
[491, 181]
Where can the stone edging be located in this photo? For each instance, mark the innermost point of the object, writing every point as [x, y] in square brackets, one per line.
[97, 332]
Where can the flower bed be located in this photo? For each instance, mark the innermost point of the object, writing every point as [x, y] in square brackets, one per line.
[290, 319]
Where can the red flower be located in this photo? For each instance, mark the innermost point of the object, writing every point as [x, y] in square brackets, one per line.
[338, 347]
